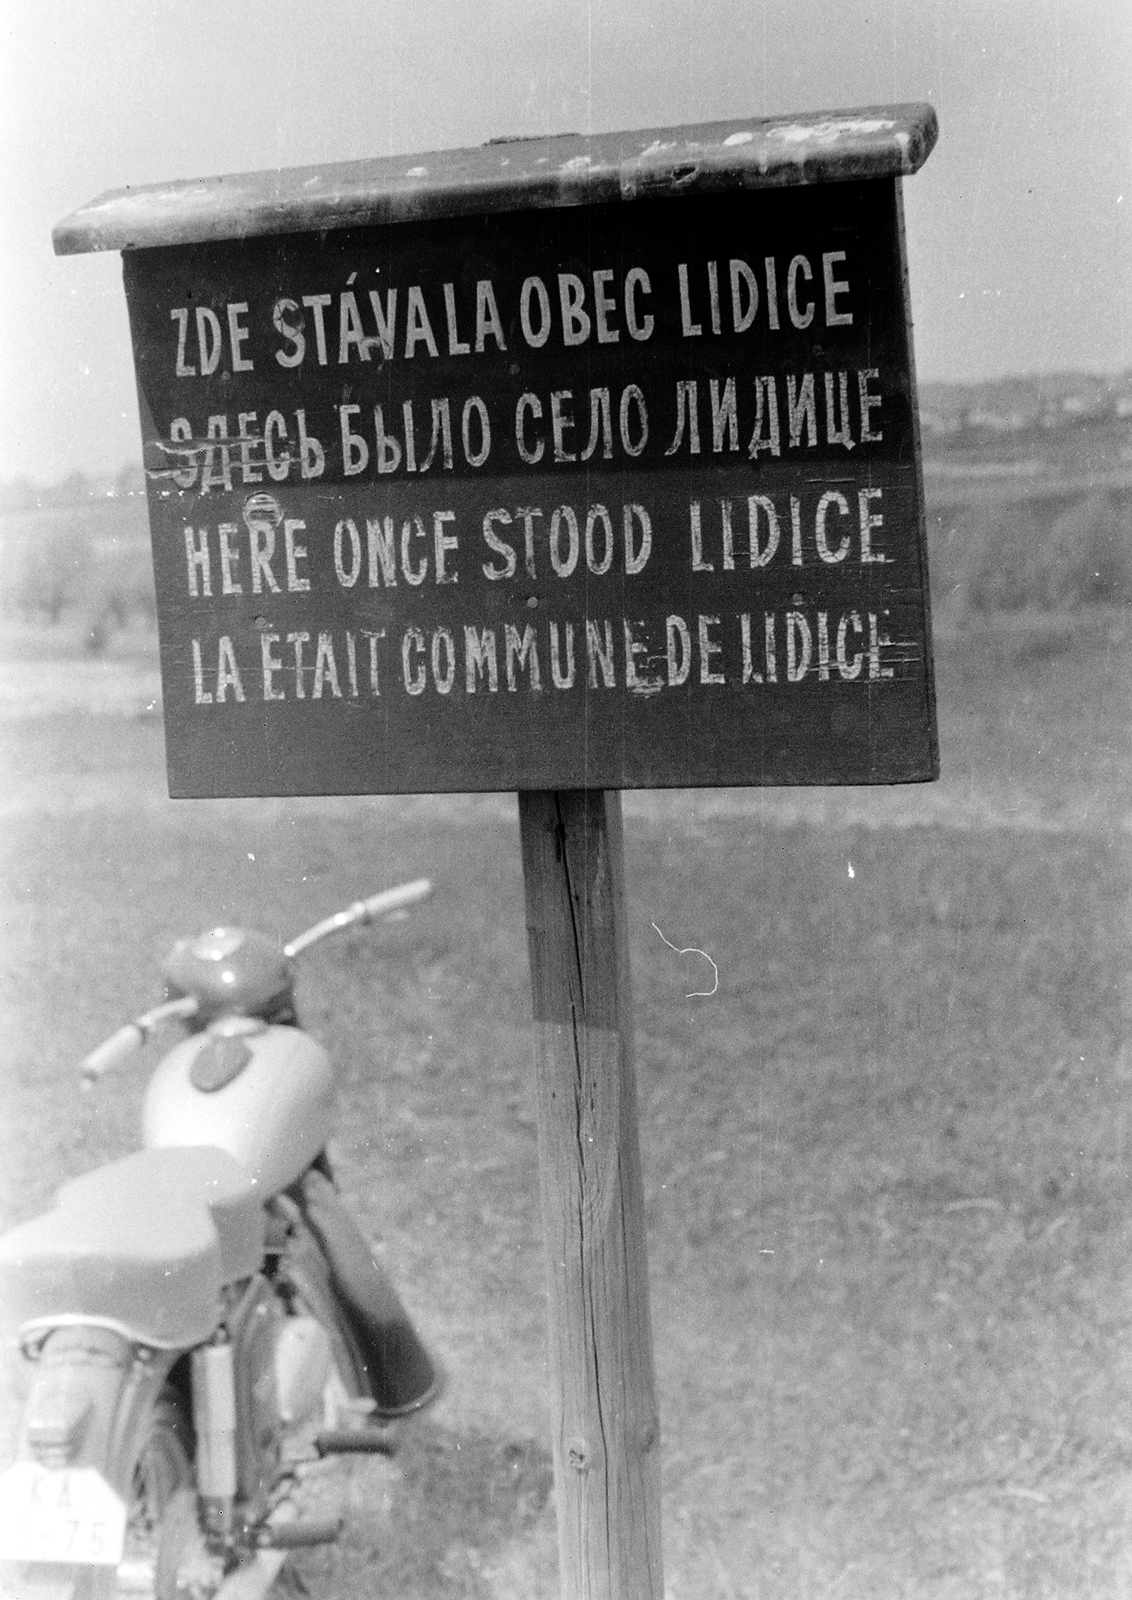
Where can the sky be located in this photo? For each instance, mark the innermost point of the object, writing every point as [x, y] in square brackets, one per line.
[1019, 239]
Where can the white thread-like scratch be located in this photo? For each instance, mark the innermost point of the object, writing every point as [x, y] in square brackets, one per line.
[694, 950]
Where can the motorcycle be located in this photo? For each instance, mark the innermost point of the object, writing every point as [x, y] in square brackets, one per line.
[204, 1320]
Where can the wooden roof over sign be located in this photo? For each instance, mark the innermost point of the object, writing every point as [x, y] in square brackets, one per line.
[510, 175]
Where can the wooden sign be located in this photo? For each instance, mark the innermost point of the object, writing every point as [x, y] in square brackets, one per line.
[463, 487]
[561, 466]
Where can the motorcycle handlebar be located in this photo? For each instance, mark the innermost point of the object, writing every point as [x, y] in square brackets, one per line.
[362, 911]
[113, 1051]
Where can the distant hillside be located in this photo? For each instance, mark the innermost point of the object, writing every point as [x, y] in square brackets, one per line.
[1002, 404]
[1047, 414]
[76, 489]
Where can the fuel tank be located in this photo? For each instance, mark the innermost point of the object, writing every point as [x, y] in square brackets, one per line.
[260, 1091]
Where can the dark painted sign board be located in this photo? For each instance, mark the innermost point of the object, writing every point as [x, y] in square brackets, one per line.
[568, 463]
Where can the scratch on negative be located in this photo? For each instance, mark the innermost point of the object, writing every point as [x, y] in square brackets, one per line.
[694, 950]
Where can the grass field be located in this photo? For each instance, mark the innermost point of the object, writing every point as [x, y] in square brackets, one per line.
[885, 1163]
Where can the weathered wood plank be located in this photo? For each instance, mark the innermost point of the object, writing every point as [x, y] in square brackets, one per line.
[510, 175]
[606, 1427]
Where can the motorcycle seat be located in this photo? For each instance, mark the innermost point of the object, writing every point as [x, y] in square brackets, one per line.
[147, 1243]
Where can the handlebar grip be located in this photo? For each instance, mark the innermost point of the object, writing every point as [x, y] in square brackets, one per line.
[112, 1051]
[406, 894]
[363, 911]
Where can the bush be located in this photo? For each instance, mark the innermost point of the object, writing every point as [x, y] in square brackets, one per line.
[1036, 553]
[87, 564]
[1090, 556]
[54, 572]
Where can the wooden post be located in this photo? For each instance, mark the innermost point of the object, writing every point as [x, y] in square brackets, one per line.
[606, 1429]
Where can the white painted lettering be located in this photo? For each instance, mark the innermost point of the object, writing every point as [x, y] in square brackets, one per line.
[212, 476]
[690, 329]
[687, 415]
[637, 281]
[563, 565]
[799, 646]
[743, 284]
[229, 558]
[196, 554]
[724, 417]
[600, 419]
[318, 303]
[228, 673]
[413, 670]
[413, 527]
[475, 407]
[487, 316]
[766, 416]
[598, 514]
[296, 583]
[519, 653]
[636, 555]
[604, 305]
[831, 497]
[480, 660]
[575, 320]
[355, 451]
[418, 330]
[201, 695]
[599, 654]
[801, 318]
[249, 472]
[709, 649]
[381, 554]
[456, 345]
[532, 404]
[637, 680]
[535, 337]
[698, 562]
[867, 522]
[837, 432]
[348, 571]
[291, 331]
[562, 678]
[560, 423]
[632, 397]
[274, 430]
[442, 543]
[494, 542]
[180, 315]
[238, 336]
[208, 340]
[678, 640]
[311, 455]
[833, 287]
[325, 668]
[443, 671]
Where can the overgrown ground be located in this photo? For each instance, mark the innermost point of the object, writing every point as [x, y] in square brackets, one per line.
[885, 1162]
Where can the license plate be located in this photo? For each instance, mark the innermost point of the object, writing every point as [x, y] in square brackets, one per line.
[65, 1514]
